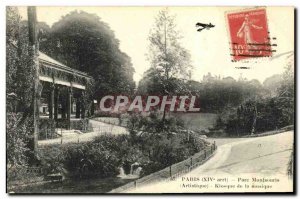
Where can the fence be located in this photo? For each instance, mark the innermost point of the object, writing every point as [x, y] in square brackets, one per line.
[281, 130]
[61, 136]
[103, 129]
[122, 121]
[50, 129]
[24, 171]
[172, 172]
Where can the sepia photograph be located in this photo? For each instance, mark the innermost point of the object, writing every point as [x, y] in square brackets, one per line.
[150, 100]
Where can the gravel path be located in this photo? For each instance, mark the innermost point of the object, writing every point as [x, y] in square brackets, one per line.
[99, 128]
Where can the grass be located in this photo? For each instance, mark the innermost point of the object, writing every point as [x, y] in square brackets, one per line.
[194, 121]
[197, 121]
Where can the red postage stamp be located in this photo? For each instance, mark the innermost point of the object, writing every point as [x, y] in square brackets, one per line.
[249, 36]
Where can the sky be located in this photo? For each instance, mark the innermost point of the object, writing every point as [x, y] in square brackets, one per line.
[209, 49]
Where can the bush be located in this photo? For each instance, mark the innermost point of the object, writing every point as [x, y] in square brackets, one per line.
[90, 160]
[165, 150]
[153, 124]
[166, 144]
[270, 114]
[52, 157]
[17, 139]
[106, 154]
[19, 147]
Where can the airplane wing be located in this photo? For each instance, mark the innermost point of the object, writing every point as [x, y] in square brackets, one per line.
[201, 24]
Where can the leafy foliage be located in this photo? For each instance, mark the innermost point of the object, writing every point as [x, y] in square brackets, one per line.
[213, 94]
[82, 41]
[162, 142]
[12, 36]
[19, 86]
[87, 160]
[216, 94]
[166, 54]
[19, 65]
[170, 62]
[153, 125]
[106, 154]
[259, 114]
[17, 140]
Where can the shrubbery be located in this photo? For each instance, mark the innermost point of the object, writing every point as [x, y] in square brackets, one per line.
[164, 145]
[18, 145]
[270, 114]
[90, 160]
[262, 113]
[104, 156]
[17, 139]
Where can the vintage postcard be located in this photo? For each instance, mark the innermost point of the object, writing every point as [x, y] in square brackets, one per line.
[126, 100]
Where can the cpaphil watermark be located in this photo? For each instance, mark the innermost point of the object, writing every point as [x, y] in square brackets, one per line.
[139, 103]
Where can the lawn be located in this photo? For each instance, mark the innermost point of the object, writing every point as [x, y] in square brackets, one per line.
[197, 121]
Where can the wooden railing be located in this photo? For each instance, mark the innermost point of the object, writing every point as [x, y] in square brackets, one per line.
[172, 172]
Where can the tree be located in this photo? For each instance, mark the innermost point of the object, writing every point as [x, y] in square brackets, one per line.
[12, 36]
[82, 41]
[286, 93]
[169, 60]
[19, 82]
[19, 71]
[272, 83]
[263, 112]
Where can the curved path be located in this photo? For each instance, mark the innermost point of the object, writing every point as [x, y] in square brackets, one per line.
[237, 161]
